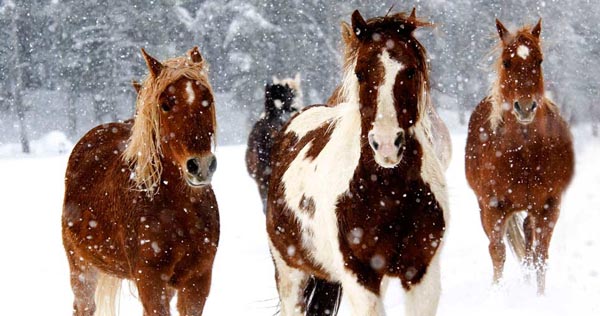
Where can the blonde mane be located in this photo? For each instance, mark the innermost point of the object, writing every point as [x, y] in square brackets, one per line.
[143, 152]
[498, 104]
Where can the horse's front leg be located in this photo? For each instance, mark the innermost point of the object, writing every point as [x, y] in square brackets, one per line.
[191, 296]
[153, 292]
[422, 298]
[364, 301]
[493, 219]
[83, 282]
[291, 283]
[544, 226]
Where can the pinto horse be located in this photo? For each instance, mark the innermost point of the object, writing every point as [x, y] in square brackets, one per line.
[519, 155]
[357, 192]
[138, 202]
[281, 102]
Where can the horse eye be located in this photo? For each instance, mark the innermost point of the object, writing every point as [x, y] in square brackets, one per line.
[410, 73]
[359, 76]
[506, 63]
[165, 107]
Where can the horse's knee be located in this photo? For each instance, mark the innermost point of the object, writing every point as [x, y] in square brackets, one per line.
[191, 296]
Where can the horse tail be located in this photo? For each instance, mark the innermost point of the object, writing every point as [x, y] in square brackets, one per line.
[322, 297]
[107, 295]
[515, 235]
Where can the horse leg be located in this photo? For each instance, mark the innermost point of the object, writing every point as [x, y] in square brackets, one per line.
[291, 283]
[494, 225]
[364, 301]
[193, 293]
[153, 293]
[422, 298]
[83, 283]
[529, 230]
[545, 223]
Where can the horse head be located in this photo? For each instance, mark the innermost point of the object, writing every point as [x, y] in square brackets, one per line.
[387, 74]
[175, 122]
[520, 85]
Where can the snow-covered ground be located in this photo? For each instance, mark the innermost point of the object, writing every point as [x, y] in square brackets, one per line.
[35, 272]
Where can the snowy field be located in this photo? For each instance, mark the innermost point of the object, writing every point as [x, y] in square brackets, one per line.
[35, 268]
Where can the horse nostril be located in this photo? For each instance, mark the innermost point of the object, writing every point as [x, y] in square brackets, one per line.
[212, 167]
[534, 105]
[193, 166]
[399, 139]
[517, 107]
[372, 141]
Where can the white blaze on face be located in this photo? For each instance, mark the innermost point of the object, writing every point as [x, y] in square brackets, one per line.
[278, 104]
[523, 51]
[385, 127]
[191, 96]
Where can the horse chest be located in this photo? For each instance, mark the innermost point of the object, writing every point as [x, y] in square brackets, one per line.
[391, 227]
[521, 169]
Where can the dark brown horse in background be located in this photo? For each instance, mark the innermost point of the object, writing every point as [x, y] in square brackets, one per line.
[138, 202]
[280, 104]
[357, 192]
[519, 155]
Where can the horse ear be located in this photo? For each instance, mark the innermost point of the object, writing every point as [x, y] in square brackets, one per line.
[502, 31]
[275, 80]
[359, 25]
[413, 14]
[297, 78]
[537, 29]
[195, 55]
[154, 65]
[137, 86]
[347, 33]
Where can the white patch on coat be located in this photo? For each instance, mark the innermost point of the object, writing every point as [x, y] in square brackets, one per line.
[386, 119]
[362, 301]
[278, 104]
[324, 179]
[523, 51]
[422, 298]
[386, 127]
[191, 96]
[290, 284]
[431, 168]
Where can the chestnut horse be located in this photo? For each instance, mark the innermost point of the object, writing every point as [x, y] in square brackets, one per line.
[138, 202]
[357, 193]
[519, 155]
[281, 103]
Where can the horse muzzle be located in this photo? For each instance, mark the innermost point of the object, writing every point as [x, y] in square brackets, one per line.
[387, 149]
[199, 170]
[525, 111]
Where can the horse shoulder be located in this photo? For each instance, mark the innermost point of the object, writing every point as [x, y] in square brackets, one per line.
[561, 142]
[478, 131]
[99, 149]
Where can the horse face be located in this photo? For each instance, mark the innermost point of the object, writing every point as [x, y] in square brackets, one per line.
[520, 74]
[279, 99]
[390, 69]
[187, 129]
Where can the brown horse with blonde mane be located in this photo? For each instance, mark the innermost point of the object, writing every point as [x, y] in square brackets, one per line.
[357, 193]
[519, 156]
[138, 201]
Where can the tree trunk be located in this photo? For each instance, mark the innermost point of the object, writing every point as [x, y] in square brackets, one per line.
[71, 112]
[17, 85]
[22, 124]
